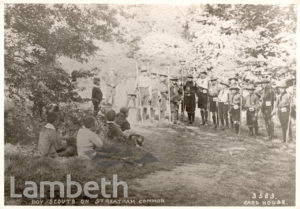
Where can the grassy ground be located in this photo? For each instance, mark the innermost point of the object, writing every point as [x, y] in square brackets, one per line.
[197, 165]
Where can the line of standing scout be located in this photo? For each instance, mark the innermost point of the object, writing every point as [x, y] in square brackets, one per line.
[223, 99]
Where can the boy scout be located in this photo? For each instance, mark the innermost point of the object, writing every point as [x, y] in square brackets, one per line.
[144, 88]
[268, 107]
[163, 94]
[96, 95]
[252, 107]
[175, 98]
[213, 92]
[235, 107]
[223, 105]
[283, 105]
[202, 88]
[189, 98]
[154, 94]
[111, 84]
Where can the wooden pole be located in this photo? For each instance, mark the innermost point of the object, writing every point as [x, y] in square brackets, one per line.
[289, 121]
[139, 92]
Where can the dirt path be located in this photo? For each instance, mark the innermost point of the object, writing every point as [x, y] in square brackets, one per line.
[204, 166]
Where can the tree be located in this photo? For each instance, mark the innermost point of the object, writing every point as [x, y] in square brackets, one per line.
[36, 35]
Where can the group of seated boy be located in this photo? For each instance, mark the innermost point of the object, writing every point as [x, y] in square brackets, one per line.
[52, 144]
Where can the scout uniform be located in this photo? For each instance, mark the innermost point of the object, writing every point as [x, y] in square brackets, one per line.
[96, 95]
[175, 99]
[189, 98]
[267, 107]
[223, 106]
[283, 105]
[154, 93]
[202, 89]
[163, 94]
[233, 81]
[252, 107]
[235, 107]
[213, 92]
[144, 87]
[111, 84]
[131, 94]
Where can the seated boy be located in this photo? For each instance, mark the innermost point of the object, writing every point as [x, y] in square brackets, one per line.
[115, 133]
[87, 139]
[121, 119]
[49, 143]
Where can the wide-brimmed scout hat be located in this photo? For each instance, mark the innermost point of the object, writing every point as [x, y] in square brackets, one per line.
[213, 78]
[223, 82]
[163, 75]
[250, 87]
[189, 76]
[281, 84]
[233, 78]
[174, 78]
[234, 87]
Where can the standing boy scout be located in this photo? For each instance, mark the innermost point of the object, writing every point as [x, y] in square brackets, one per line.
[175, 98]
[202, 90]
[189, 98]
[111, 85]
[252, 107]
[213, 92]
[96, 95]
[144, 87]
[154, 94]
[235, 107]
[223, 105]
[283, 105]
[163, 94]
[268, 107]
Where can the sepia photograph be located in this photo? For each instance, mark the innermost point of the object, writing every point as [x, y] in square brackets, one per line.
[149, 104]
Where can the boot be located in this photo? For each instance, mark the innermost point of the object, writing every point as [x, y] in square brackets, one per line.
[214, 120]
[256, 130]
[205, 116]
[190, 118]
[236, 128]
[226, 122]
[251, 131]
[202, 117]
[193, 117]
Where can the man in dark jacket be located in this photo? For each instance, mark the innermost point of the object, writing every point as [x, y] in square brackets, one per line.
[189, 98]
[96, 95]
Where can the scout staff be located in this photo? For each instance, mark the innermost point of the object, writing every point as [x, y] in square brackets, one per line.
[175, 96]
[202, 94]
[268, 107]
[189, 98]
[143, 86]
[96, 95]
[223, 105]
[163, 94]
[213, 92]
[252, 108]
[284, 113]
[235, 107]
